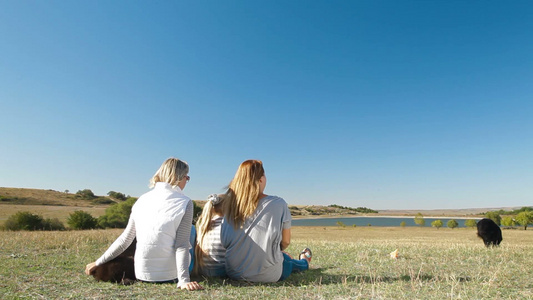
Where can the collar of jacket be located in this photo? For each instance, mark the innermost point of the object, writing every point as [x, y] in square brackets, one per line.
[164, 185]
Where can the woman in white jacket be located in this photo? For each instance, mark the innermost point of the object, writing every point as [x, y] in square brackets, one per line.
[161, 220]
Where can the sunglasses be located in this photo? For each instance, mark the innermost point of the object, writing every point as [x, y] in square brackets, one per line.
[188, 178]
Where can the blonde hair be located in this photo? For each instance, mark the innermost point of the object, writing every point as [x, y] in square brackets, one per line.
[171, 171]
[243, 192]
[204, 224]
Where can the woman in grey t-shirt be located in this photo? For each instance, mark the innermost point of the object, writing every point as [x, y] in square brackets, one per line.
[256, 229]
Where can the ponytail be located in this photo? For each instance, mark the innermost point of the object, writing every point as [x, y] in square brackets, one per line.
[203, 226]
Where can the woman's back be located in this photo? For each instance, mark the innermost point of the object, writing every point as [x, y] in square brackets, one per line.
[213, 262]
[157, 215]
[253, 251]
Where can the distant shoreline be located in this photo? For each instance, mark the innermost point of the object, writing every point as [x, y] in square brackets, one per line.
[383, 216]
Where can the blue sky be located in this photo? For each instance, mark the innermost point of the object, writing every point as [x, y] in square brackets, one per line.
[381, 104]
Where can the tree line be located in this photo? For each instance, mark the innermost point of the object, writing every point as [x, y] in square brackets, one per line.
[363, 210]
[522, 217]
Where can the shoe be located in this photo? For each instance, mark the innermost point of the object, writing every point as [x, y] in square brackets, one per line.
[307, 254]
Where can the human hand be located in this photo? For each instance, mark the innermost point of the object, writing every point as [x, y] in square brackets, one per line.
[90, 267]
[287, 254]
[191, 286]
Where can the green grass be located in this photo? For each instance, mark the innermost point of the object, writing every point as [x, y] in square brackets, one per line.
[349, 263]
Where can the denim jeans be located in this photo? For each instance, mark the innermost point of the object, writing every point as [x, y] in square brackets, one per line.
[291, 265]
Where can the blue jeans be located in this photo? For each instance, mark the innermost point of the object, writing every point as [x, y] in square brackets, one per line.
[291, 265]
[192, 240]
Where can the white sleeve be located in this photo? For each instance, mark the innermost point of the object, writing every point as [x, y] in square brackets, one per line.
[183, 245]
[120, 244]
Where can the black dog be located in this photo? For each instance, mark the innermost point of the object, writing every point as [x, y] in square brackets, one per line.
[490, 232]
[119, 269]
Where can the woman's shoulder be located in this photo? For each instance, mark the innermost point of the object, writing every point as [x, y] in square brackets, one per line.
[175, 194]
[181, 200]
[273, 199]
[168, 197]
[181, 196]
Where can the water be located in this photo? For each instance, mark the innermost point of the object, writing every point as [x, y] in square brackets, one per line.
[373, 221]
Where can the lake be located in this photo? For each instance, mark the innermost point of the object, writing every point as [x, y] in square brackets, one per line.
[374, 221]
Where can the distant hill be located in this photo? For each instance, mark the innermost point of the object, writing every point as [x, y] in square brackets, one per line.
[24, 196]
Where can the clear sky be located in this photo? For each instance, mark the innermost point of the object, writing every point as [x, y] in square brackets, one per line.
[381, 104]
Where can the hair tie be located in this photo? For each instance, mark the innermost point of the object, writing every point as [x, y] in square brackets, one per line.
[214, 198]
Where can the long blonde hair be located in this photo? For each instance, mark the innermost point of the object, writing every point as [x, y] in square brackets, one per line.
[204, 224]
[243, 192]
[171, 171]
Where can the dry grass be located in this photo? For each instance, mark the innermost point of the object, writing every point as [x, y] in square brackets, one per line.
[47, 203]
[48, 211]
[348, 263]
[41, 197]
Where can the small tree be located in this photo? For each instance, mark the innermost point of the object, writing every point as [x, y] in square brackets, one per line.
[494, 216]
[117, 195]
[341, 224]
[81, 220]
[53, 224]
[470, 223]
[24, 220]
[419, 220]
[452, 224]
[87, 194]
[403, 224]
[197, 211]
[508, 221]
[117, 215]
[525, 218]
[437, 224]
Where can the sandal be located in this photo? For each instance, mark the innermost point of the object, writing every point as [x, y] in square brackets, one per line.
[307, 254]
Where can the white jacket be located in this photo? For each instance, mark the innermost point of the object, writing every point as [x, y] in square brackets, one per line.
[157, 216]
[162, 240]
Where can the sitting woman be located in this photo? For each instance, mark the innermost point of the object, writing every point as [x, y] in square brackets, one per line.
[209, 252]
[161, 220]
[256, 230]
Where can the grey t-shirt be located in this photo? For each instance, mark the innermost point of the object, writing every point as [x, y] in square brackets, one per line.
[253, 252]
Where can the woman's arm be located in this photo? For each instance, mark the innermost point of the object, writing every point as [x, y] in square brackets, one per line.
[285, 226]
[285, 238]
[182, 250]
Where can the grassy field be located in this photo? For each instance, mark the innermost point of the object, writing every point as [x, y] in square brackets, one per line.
[348, 263]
